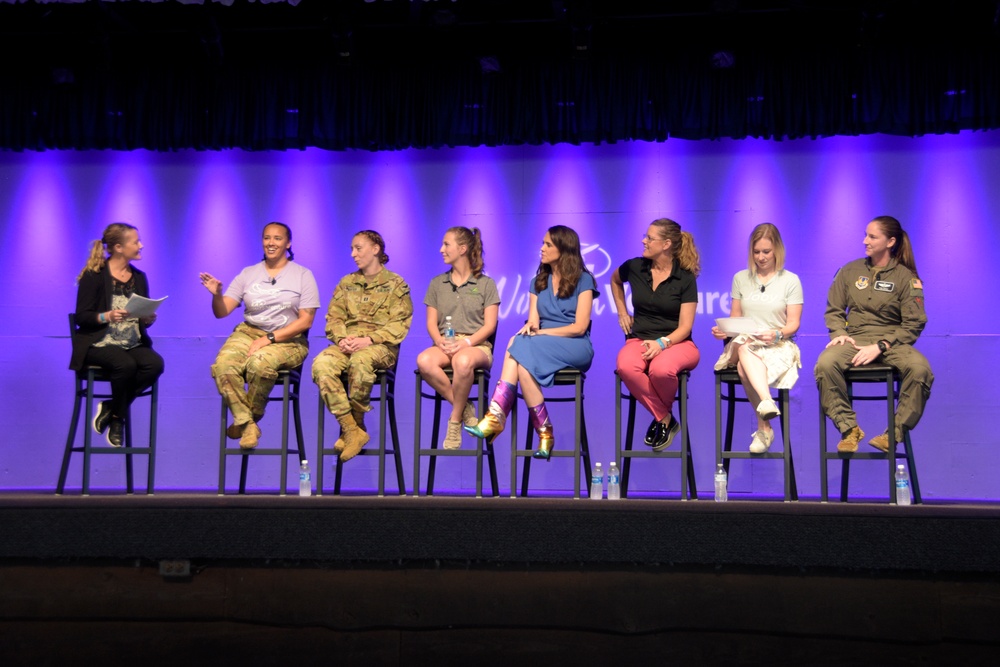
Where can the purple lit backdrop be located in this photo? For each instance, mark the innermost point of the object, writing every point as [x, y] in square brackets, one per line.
[205, 211]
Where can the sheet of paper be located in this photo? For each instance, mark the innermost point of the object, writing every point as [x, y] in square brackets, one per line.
[140, 306]
[734, 326]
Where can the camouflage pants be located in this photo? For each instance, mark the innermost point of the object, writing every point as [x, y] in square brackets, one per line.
[331, 364]
[245, 381]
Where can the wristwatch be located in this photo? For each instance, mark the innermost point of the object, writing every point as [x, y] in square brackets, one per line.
[667, 341]
[270, 336]
[883, 346]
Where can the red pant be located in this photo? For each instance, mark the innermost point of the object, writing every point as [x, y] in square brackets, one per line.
[654, 382]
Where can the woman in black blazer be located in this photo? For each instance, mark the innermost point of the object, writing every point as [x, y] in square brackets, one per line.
[106, 335]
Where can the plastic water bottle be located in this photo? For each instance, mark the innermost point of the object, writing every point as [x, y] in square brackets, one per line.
[449, 330]
[305, 479]
[597, 483]
[902, 486]
[614, 486]
[721, 484]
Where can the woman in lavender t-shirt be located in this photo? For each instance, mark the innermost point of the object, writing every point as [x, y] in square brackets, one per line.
[279, 300]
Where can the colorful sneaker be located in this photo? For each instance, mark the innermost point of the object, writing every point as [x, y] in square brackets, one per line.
[849, 443]
[767, 410]
[761, 441]
[453, 439]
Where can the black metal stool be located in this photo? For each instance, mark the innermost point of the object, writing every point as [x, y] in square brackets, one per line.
[481, 379]
[385, 380]
[626, 454]
[85, 395]
[726, 383]
[581, 448]
[871, 374]
[290, 382]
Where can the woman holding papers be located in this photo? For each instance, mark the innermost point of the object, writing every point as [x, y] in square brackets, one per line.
[658, 342]
[106, 335]
[772, 296]
[280, 300]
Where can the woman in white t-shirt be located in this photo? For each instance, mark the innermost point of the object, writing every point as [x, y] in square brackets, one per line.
[768, 358]
[279, 298]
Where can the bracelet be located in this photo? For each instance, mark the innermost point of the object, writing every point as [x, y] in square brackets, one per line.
[468, 340]
[659, 341]
[101, 318]
[778, 336]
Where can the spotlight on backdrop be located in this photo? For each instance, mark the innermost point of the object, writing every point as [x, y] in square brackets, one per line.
[723, 59]
[489, 64]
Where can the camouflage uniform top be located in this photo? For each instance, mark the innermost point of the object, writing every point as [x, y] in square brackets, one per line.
[869, 304]
[378, 307]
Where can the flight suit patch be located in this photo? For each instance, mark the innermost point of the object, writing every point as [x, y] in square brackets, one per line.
[862, 282]
[884, 286]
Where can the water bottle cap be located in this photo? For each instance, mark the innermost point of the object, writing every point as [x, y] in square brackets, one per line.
[304, 462]
[900, 467]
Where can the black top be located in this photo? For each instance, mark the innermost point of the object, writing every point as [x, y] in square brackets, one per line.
[93, 296]
[656, 313]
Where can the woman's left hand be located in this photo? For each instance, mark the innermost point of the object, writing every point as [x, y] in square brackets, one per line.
[865, 354]
[769, 337]
[148, 320]
[257, 344]
[650, 348]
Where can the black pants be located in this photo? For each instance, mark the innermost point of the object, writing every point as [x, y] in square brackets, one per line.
[132, 371]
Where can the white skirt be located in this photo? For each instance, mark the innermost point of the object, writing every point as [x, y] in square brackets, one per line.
[782, 360]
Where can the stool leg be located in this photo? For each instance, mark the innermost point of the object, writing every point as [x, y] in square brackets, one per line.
[526, 469]
[417, 409]
[320, 429]
[626, 459]
[87, 438]
[129, 486]
[911, 465]
[396, 454]
[435, 434]
[154, 402]
[70, 439]
[222, 450]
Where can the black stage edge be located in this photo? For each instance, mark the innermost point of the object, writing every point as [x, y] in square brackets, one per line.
[403, 580]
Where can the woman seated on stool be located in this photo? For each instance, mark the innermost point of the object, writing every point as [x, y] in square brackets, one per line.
[471, 298]
[106, 335]
[368, 317]
[875, 312]
[658, 343]
[555, 337]
[768, 358]
[280, 300]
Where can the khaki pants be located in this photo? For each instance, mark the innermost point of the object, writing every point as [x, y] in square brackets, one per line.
[914, 388]
[245, 381]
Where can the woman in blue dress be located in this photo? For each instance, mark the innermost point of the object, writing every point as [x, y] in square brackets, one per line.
[556, 336]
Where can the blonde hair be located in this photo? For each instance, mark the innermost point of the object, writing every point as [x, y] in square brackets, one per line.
[114, 234]
[766, 230]
[682, 244]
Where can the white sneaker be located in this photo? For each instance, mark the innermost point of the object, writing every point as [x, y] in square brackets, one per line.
[453, 438]
[761, 441]
[766, 409]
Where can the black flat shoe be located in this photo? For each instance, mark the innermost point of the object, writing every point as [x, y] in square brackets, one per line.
[653, 432]
[667, 435]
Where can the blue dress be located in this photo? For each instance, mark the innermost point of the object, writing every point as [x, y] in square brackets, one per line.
[542, 356]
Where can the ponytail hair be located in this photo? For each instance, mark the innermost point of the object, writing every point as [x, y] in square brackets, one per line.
[682, 244]
[473, 240]
[902, 250]
[376, 239]
[100, 249]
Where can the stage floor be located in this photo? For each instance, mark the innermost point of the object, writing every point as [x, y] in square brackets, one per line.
[262, 579]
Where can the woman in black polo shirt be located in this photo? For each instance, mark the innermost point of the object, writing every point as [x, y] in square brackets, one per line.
[658, 342]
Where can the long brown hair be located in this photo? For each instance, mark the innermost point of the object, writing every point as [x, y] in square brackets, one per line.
[902, 250]
[682, 244]
[570, 262]
[473, 240]
[113, 235]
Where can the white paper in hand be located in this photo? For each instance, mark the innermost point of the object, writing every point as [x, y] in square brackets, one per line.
[140, 306]
[734, 326]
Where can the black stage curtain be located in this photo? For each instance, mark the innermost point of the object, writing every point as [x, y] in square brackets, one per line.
[171, 103]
